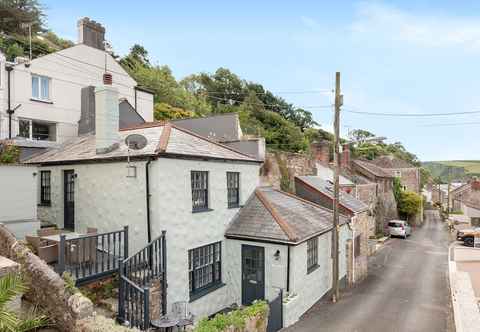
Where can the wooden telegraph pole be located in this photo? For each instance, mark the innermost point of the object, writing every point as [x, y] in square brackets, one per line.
[336, 189]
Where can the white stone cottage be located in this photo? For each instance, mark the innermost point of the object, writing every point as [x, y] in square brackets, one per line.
[46, 94]
[281, 241]
[179, 181]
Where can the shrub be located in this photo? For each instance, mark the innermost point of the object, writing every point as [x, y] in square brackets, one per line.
[9, 154]
[235, 318]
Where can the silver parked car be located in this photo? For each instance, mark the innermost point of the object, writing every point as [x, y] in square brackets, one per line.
[399, 228]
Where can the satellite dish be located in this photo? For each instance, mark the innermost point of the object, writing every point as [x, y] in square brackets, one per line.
[136, 141]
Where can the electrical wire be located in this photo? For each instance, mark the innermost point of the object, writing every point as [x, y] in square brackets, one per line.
[409, 114]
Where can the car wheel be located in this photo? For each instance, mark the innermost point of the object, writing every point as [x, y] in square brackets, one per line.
[468, 241]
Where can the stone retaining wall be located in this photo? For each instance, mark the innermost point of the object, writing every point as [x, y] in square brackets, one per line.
[47, 288]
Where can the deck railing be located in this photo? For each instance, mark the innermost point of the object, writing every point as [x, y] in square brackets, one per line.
[92, 256]
[136, 272]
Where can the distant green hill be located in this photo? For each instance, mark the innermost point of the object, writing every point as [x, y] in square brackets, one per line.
[458, 169]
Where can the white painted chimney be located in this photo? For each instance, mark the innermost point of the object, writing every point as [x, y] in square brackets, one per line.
[106, 119]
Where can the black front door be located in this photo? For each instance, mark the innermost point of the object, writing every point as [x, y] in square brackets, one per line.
[253, 274]
[69, 199]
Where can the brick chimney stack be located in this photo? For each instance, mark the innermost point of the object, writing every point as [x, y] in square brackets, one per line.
[475, 184]
[321, 152]
[345, 157]
[91, 33]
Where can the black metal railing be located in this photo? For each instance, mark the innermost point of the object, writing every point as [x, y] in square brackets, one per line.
[92, 256]
[136, 273]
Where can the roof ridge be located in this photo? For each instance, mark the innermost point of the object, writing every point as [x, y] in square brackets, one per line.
[211, 141]
[145, 125]
[282, 223]
[164, 138]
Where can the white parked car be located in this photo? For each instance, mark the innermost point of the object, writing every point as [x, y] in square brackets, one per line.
[399, 228]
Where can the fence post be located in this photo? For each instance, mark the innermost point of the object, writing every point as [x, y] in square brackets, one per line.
[121, 293]
[146, 308]
[61, 255]
[164, 273]
[125, 239]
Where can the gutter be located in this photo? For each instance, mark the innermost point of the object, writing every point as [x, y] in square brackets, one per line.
[147, 197]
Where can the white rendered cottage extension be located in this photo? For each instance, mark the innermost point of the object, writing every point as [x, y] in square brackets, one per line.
[279, 241]
[179, 181]
[48, 94]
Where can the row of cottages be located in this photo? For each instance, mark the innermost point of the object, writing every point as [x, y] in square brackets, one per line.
[365, 181]
[229, 241]
[466, 199]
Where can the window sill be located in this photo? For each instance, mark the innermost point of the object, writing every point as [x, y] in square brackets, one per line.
[42, 101]
[202, 210]
[312, 268]
[45, 204]
[195, 296]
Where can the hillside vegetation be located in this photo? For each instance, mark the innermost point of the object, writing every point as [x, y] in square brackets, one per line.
[456, 170]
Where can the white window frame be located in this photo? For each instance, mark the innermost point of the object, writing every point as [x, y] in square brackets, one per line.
[30, 128]
[40, 85]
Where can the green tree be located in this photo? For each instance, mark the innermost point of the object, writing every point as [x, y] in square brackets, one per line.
[163, 111]
[11, 286]
[409, 203]
[14, 13]
[359, 135]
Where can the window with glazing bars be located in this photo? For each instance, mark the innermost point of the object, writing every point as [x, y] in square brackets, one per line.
[199, 190]
[233, 189]
[204, 267]
[312, 254]
[45, 187]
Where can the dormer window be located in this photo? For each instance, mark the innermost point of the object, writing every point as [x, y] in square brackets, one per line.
[40, 88]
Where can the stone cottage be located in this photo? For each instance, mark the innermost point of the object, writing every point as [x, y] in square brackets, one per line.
[408, 174]
[316, 190]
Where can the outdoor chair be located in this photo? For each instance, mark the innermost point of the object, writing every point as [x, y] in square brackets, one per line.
[35, 242]
[179, 317]
[48, 253]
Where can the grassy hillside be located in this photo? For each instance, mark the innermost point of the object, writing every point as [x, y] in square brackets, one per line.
[458, 169]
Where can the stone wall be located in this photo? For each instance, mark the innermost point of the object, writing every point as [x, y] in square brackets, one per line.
[284, 166]
[361, 226]
[47, 288]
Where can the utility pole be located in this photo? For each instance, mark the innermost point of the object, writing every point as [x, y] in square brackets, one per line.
[336, 189]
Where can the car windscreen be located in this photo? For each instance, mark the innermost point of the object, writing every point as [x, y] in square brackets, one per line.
[395, 224]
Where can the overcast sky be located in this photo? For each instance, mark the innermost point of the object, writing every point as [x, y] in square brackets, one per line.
[394, 57]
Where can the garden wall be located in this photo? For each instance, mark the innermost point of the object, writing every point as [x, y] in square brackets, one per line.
[47, 288]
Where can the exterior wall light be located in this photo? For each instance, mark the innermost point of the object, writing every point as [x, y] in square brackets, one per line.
[277, 255]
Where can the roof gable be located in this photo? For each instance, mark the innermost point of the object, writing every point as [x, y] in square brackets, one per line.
[391, 162]
[372, 168]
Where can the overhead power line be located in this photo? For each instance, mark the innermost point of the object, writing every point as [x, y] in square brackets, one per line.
[410, 114]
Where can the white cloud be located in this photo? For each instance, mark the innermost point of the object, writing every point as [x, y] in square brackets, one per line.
[310, 22]
[376, 20]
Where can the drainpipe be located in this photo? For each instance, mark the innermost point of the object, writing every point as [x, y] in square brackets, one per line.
[288, 268]
[147, 190]
[9, 100]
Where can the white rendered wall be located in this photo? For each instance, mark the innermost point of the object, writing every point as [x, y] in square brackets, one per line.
[171, 206]
[68, 77]
[105, 198]
[308, 288]
[18, 198]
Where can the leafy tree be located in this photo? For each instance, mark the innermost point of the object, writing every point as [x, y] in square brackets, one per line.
[13, 13]
[163, 111]
[425, 177]
[359, 135]
[11, 286]
[409, 203]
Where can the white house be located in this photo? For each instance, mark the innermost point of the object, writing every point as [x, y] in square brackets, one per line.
[279, 241]
[45, 94]
[174, 180]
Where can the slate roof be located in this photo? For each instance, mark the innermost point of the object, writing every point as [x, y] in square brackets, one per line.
[274, 215]
[326, 188]
[326, 173]
[219, 127]
[391, 162]
[372, 168]
[162, 139]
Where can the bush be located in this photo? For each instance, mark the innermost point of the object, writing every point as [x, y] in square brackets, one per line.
[9, 154]
[409, 203]
[235, 318]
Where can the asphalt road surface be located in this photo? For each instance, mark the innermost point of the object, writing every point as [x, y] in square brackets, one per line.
[407, 289]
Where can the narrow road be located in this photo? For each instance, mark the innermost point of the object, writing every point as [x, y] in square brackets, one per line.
[406, 290]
